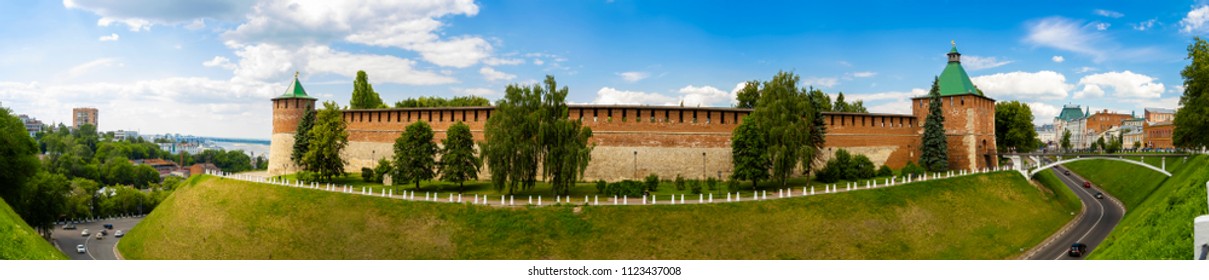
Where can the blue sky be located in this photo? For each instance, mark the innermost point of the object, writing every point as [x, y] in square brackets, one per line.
[209, 67]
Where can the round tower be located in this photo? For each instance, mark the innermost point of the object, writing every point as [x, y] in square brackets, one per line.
[288, 110]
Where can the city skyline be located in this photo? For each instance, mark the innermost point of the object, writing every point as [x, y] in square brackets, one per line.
[209, 68]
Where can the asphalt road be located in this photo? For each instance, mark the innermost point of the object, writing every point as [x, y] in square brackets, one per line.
[101, 249]
[1101, 216]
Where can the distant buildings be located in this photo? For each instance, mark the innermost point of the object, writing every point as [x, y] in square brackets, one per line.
[81, 116]
[1158, 115]
[32, 125]
[1046, 134]
[1153, 131]
[122, 135]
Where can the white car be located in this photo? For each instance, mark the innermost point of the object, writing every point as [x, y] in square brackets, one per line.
[80, 249]
[84, 233]
[119, 233]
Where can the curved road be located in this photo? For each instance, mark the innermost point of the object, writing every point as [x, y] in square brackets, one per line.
[1100, 216]
[102, 249]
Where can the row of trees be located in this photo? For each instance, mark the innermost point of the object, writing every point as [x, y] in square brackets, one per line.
[364, 97]
[749, 96]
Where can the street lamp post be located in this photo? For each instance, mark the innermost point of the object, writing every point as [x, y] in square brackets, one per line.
[702, 165]
[635, 164]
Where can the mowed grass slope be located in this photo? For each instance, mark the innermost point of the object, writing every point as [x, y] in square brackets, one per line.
[18, 241]
[993, 216]
[1158, 223]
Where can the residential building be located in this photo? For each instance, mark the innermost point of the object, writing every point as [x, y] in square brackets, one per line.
[201, 168]
[1103, 121]
[1072, 119]
[81, 116]
[122, 135]
[164, 167]
[1158, 135]
[1157, 115]
[1045, 133]
[32, 125]
[1132, 132]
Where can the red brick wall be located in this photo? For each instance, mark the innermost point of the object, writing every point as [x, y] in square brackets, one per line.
[288, 112]
[969, 129]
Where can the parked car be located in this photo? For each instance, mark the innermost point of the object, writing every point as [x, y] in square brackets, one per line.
[69, 226]
[99, 236]
[1077, 250]
[104, 232]
[1087, 184]
[84, 233]
[119, 233]
[109, 226]
[1099, 195]
[80, 249]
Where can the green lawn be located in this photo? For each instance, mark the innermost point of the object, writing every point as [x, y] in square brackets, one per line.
[18, 241]
[992, 216]
[1062, 194]
[1158, 223]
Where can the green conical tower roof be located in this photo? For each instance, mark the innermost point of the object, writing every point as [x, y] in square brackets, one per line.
[954, 80]
[295, 90]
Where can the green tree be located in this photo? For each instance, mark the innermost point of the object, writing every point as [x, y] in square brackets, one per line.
[18, 162]
[1192, 121]
[818, 131]
[1065, 140]
[1100, 145]
[786, 115]
[749, 95]
[748, 152]
[458, 160]
[530, 126]
[821, 100]
[565, 150]
[840, 105]
[1014, 127]
[364, 96]
[935, 156]
[43, 200]
[327, 139]
[414, 152]
[145, 175]
[302, 137]
[81, 198]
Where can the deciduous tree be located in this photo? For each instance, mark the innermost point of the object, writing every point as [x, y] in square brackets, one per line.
[1014, 127]
[749, 152]
[414, 152]
[19, 161]
[1192, 121]
[458, 160]
[749, 95]
[786, 114]
[364, 96]
[327, 139]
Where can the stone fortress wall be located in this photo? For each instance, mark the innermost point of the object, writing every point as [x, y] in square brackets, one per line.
[631, 141]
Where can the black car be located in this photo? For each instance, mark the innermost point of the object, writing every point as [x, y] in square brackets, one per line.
[1099, 195]
[1077, 250]
[1067, 172]
[109, 226]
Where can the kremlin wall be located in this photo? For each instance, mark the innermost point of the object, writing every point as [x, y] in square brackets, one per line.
[633, 141]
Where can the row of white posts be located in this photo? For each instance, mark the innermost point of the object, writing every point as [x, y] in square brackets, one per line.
[510, 200]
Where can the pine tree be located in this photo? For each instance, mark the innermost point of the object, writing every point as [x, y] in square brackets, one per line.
[935, 156]
[302, 137]
[364, 96]
[458, 161]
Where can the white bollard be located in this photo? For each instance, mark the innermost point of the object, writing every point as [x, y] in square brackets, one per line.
[738, 196]
[681, 198]
[558, 199]
[459, 198]
[539, 200]
[614, 200]
[652, 199]
[811, 190]
[711, 198]
[644, 199]
[765, 197]
[625, 200]
[502, 200]
[530, 200]
[596, 200]
[727, 197]
[450, 197]
[700, 198]
[512, 200]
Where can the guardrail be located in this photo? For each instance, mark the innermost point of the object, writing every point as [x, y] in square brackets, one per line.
[1200, 237]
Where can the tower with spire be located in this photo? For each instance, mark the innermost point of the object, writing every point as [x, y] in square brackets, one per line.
[969, 116]
[288, 110]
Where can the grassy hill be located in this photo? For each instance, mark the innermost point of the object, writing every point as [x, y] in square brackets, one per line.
[1158, 220]
[18, 241]
[994, 216]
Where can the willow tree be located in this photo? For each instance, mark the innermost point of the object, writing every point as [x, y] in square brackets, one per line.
[786, 114]
[530, 126]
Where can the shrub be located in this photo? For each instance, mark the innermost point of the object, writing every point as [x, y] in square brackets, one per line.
[695, 186]
[912, 169]
[652, 182]
[679, 182]
[367, 174]
[623, 188]
[384, 167]
[862, 168]
[732, 185]
[885, 171]
[711, 184]
[601, 186]
[306, 176]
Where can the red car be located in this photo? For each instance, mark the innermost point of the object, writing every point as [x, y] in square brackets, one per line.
[1087, 184]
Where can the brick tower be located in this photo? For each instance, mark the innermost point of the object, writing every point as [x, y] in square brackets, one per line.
[288, 110]
[969, 117]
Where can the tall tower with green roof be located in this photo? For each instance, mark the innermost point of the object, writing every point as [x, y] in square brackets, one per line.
[288, 110]
[969, 117]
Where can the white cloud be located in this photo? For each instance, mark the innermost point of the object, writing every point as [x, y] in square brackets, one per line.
[973, 63]
[826, 82]
[1123, 84]
[493, 75]
[480, 92]
[632, 76]
[1063, 34]
[865, 74]
[1024, 85]
[1107, 13]
[611, 96]
[1058, 58]
[706, 96]
[86, 67]
[1177, 89]
[891, 102]
[1085, 69]
[140, 15]
[1101, 26]
[495, 61]
[220, 62]
[1143, 26]
[110, 37]
[1043, 113]
[1196, 20]
[197, 24]
[538, 61]
[271, 63]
